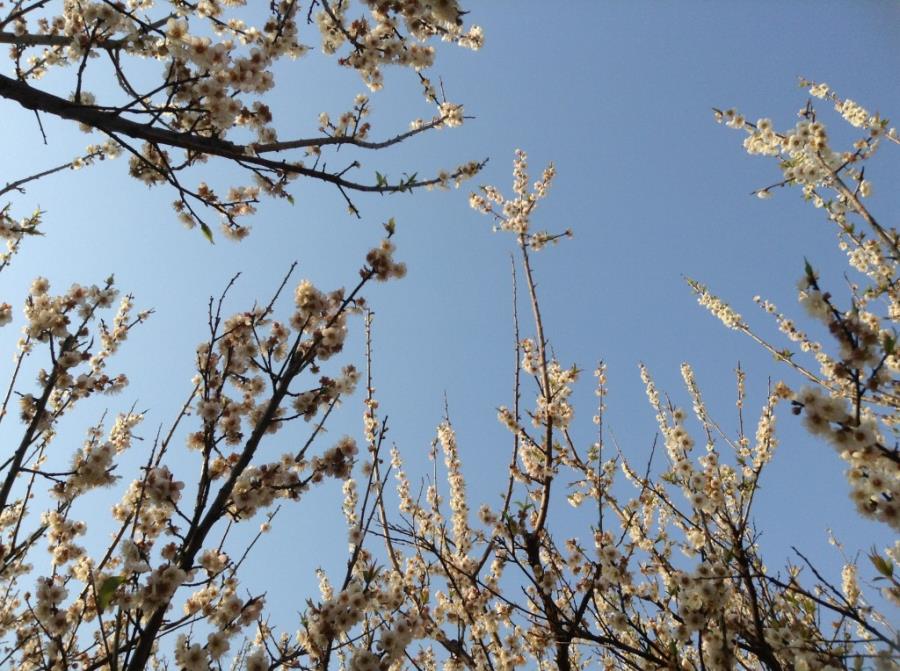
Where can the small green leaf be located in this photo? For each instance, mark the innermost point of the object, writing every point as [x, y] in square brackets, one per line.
[207, 233]
[407, 184]
[289, 198]
[390, 226]
[107, 590]
[371, 573]
[810, 273]
[882, 565]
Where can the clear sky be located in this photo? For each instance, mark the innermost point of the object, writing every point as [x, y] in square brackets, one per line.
[619, 96]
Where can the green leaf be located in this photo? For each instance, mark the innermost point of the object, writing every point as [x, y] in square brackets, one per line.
[882, 565]
[107, 590]
[207, 233]
[390, 226]
[407, 184]
[289, 198]
[673, 650]
[810, 273]
[371, 573]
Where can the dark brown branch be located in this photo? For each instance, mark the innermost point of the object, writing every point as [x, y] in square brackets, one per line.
[348, 139]
[111, 123]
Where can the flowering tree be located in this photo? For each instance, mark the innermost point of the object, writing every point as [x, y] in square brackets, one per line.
[669, 575]
[206, 98]
[180, 84]
[672, 576]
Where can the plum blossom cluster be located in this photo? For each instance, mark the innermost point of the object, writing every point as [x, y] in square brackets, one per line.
[50, 594]
[458, 503]
[391, 645]
[335, 462]
[873, 468]
[307, 403]
[854, 403]
[93, 465]
[376, 41]
[717, 307]
[335, 616]
[368, 600]
[63, 322]
[382, 263]
[514, 214]
[12, 232]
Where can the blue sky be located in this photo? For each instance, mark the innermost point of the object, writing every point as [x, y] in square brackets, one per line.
[619, 96]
